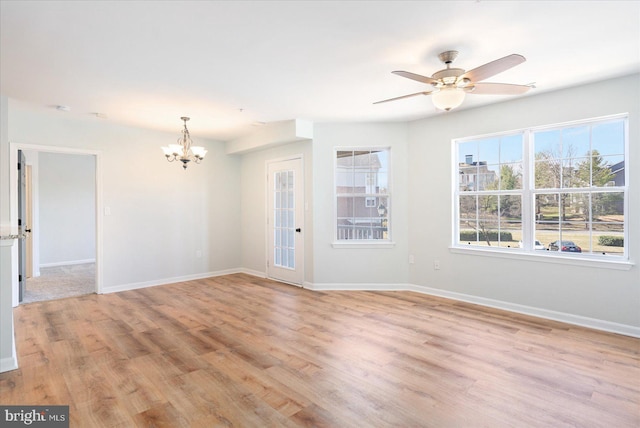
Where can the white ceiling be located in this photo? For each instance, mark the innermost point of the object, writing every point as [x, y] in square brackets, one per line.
[229, 64]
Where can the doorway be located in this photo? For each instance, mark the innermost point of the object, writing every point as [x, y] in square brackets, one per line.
[285, 221]
[64, 227]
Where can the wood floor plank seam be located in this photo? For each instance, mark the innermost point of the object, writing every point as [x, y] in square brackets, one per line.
[243, 351]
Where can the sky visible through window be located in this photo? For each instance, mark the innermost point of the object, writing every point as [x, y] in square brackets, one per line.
[606, 138]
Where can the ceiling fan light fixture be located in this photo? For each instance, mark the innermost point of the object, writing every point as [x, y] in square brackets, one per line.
[448, 98]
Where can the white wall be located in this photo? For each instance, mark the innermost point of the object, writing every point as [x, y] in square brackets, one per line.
[66, 208]
[349, 267]
[160, 216]
[601, 294]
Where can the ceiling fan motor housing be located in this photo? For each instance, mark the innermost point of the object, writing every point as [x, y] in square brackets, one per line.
[448, 76]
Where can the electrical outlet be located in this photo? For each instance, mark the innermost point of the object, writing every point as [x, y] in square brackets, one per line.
[198, 253]
[436, 265]
[412, 259]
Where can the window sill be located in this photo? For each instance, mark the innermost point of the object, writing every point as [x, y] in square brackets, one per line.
[586, 261]
[363, 244]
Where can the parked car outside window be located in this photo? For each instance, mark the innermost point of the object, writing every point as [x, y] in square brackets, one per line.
[568, 246]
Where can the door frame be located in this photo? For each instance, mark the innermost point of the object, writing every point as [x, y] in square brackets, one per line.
[13, 197]
[298, 157]
[29, 214]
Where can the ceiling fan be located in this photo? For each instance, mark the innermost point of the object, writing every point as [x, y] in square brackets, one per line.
[450, 85]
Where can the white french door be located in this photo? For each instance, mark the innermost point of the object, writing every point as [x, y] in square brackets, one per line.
[285, 221]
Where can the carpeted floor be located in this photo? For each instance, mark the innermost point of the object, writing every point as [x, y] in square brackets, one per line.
[61, 281]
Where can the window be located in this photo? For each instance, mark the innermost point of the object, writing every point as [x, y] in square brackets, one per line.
[558, 189]
[362, 194]
[490, 191]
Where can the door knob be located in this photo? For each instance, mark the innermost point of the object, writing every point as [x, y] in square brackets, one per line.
[298, 230]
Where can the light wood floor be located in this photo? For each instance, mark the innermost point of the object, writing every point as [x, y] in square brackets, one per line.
[247, 352]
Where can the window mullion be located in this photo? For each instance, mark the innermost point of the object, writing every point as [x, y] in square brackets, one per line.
[528, 181]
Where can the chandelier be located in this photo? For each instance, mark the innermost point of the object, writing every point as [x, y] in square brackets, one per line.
[184, 151]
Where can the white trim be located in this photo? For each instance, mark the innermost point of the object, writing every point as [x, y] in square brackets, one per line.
[10, 363]
[338, 286]
[361, 244]
[165, 281]
[252, 272]
[592, 261]
[68, 263]
[594, 323]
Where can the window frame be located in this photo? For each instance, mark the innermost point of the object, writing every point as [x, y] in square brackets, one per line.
[363, 243]
[529, 193]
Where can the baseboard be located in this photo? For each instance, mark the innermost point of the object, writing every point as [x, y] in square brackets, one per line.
[354, 287]
[165, 281]
[10, 363]
[594, 323]
[252, 272]
[67, 263]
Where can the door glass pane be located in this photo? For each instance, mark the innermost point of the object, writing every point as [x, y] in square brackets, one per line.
[284, 215]
[290, 202]
[292, 258]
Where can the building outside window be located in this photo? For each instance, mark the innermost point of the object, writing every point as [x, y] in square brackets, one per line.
[362, 194]
[559, 189]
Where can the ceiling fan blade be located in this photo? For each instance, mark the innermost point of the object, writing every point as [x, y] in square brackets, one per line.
[404, 96]
[413, 76]
[492, 68]
[499, 89]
